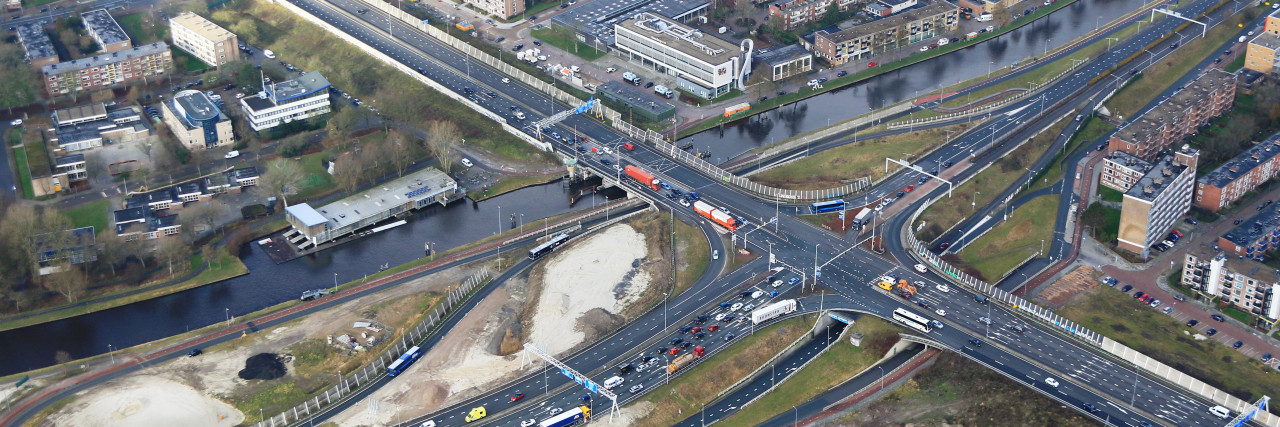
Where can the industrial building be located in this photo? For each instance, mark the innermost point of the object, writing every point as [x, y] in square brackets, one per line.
[786, 61]
[702, 64]
[203, 39]
[1155, 202]
[594, 21]
[925, 20]
[301, 98]
[106, 31]
[196, 122]
[314, 227]
[1240, 282]
[107, 70]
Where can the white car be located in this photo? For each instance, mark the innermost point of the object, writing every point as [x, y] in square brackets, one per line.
[554, 411]
[986, 320]
[941, 312]
[1051, 381]
[924, 48]
[637, 387]
[239, 95]
[735, 307]
[506, 80]
[942, 287]
[757, 294]
[466, 162]
[528, 422]
[720, 317]
[269, 54]
[610, 70]
[608, 150]
[16, 122]
[921, 268]
[232, 154]
[684, 202]
[431, 423]
[748, 307]
[776, 283]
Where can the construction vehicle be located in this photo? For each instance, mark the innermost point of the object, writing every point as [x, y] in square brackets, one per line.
[907, 286]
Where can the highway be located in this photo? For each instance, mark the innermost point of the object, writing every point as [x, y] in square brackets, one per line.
[1032, 357]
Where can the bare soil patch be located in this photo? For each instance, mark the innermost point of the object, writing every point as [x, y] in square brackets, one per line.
[1058, 294]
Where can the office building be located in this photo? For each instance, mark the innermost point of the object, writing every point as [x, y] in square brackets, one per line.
[106, 31]
[1174, 118]
[313, 227]
[196, 121]
[87, 126]
[593, 22]
[796, 13]
[1240, 282]
[1155, 202]
[203, 39]
[926, 20]
[1232, 180]
[304, 97]
[702, 64]
[144, 224]
[107, 70]
[785, 61]
[36, 46]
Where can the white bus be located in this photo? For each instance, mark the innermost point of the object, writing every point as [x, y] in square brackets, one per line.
[915, 321]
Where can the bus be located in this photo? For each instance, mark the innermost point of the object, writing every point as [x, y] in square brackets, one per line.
[915, 321]
[406, 359]
[822, 207]
[549, 246]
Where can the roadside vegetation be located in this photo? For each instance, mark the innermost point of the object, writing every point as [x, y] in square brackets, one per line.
[1103, 223]
[842, 362]
[563, 38]
[1159, 336]
[1027, 231]
[1092, 130]
[864, 158]
[21, 81]
[685, 394]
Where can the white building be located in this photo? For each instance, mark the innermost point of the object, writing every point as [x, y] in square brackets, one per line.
[1241, 282]
[205, 40]
[702, 64]
[297, 99]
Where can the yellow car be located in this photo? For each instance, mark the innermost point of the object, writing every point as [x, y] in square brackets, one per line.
[476, 413]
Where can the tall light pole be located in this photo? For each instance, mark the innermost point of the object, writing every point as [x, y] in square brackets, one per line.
[664, 310]
[499, 219]
[975, 200]
[228, 311]
[815, 266]
[796, 422]
[112, 353]
[335, 280]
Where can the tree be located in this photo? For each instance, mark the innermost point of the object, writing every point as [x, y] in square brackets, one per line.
[1001, 14]
[20, 223]
[743, 9]
[442, 141]
[70, 282]
[400, 151]
[113, 250]
[348, 170]
[202, 216]
[280, 178]
[170, 249]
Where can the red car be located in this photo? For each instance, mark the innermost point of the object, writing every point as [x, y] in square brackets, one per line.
[904, 294]
[517, 397]
[675, 350]
[629, 147]
[696, 329]
[944, 245]
[910, 187]
[872, 64]
[713, 328]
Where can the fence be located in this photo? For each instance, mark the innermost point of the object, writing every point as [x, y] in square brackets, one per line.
[375, 369]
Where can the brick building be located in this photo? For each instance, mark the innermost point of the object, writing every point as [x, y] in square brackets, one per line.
[863, 40]
[1174, 118]
[106, 31]
[1226, 184]
[1255, 236]
[107, 70]
[796, 13]
[36, 45]
[1155, 202]
[1244, 283]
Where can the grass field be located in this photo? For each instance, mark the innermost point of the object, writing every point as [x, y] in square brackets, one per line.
[1011, 242]
[38, 158]
[187, 62]
[24, 173]
[15, 136]
[840, 363]
[511, 183]
[316, 179]
[1109, 194]
[1103, 221]
[563, 38]
[700, 384]
[143, 29]
[693, 251]
[983, 188]
[90, 214]
[1092, 129]
[854, 160]
[1161, 75]
[1138, 326]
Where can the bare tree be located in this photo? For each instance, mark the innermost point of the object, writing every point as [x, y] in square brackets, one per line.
[169, 250]
[20, 224]
[348, 170]
[280, 178]
[400, 151]
[443, 139]
[70, 282]
[204, 216]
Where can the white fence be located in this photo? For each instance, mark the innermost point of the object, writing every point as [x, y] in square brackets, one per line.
[376, 369]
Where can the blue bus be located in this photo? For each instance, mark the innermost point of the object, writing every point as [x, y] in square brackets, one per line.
[398, 366]
[831, 206]
[549, 246]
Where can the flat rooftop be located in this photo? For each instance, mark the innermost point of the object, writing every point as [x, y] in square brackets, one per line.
[1265, 223]
[1130, 161]
[1192, 95]
[682, 38]
[306, 84]
[101, 23]
[1157, 180]
[35, 42]
[202, 27]
[69, 160]
[1267, 40]
[1238, 265]
[920, 11]
[1244, 163]
[422, 184]
[105, 59]
[779, 55]
[596, 18]
[80, 113]
[193, 106]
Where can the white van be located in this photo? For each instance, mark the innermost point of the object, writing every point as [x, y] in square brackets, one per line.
[466, 162]
[269, 54]
[984, 17]
[1220, 411]
[613, 382]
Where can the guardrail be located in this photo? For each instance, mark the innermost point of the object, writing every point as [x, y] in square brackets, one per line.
[1034, 89]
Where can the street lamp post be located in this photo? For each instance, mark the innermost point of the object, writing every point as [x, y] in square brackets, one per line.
[499, 219]
[228, 311]
[112, 353]
[975, 200]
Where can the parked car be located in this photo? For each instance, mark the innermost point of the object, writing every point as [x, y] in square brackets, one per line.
[1126, 288]
[1218, 318]
[1238, 344]
[1211, 332]
[1192, 322]
[231, 154]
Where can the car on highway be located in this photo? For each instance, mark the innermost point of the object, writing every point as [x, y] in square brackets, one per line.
[922, 180]
[728, 337]
[909, 188]
[976, 342]
[900, 194]
[195, 352]
[793, 280]
[986, 320]
[713, 328]
[517, 397]
[676, 341]
[776, 283]
[748, 307]
[636, 388]
[942, 287]
[1211, 332]
[944, 245]
[904, 294]
[720, 317]
[1192, 322]
[921, 268]
[1090, 406]
[923, 303]
[1218, 318]
[736, 306]
[700, 335]
[730, 318]
[674, 351]
[528, 422]
[1051, 381]
[662, 350]
[554, 411]
[941, 312]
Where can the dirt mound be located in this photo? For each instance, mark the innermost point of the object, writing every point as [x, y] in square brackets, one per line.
[263, 366]
[597, 322]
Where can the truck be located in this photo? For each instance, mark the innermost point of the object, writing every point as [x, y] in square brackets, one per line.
[863, 217]
[972, 35]
[772, 311]
[680, 362]
[711, 213]
[664, 91]
[907, 286]
[735, 109]
[642, 176]
[985, 17]
[632, 78]
[568, 418]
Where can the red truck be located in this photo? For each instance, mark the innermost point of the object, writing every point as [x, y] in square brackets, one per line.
[642, 176]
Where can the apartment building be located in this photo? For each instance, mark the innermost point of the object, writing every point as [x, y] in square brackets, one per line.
[1174, 118]
[785, 61]
[1155, 202]
[36, 45]
[502, 8]
[1260, 55]
[196, 121]
[702, 64]
[106, 31]
[796, 13]
[297, 99]
[1120, 170]
[1232, 180]
[107, 70]
[203, 39]
[926, 21]
[1240, 282]
[1254, 237]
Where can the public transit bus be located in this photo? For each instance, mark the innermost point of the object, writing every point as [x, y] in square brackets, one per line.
[398, 366]
[831, 206]
[915, 321]
[549, 246]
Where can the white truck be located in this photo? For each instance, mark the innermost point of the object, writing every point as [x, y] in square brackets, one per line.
[664, 91]
[863, 217]
[772, 311]
[984, 17]
[630, 77]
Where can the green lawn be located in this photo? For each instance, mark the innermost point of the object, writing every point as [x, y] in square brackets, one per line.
[1092, 129]
[316, 179]
[15, 136]
[90, 214]
[1156, 335]
[510, 183]
[24, 173]
[832, 368]
[38, 159]
[187, 62]
[1011, 242]
[143, 29]
[694, 252]
[864, 158]
[1110, 194]
[1104, 221]
[1234, 65]
[563, 38]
